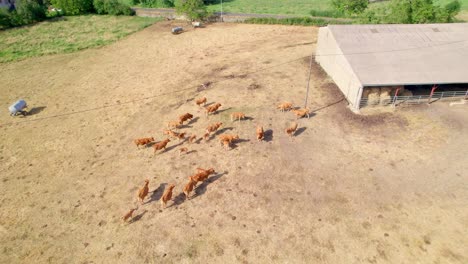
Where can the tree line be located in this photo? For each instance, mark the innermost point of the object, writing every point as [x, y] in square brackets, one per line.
[399, 11]
[25, 12]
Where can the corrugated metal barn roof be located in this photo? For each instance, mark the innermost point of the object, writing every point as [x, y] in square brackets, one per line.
[405, 54]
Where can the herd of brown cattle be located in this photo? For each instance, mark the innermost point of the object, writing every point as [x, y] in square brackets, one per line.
[225, 139]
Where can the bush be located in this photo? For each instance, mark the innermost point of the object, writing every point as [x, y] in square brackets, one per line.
[303, 21]
[5, 18]
[27, 12]
[31, 11]
[193, 9]
[350, 7]
[411, 12]
[327, 13]
[112, 7]
[74, 7]
[155, 3]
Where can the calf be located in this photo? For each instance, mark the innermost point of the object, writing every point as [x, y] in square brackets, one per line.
[286, 106]
[167, 195]
[201, 101]
[143, 192]
[228, 137]
[174, 124]
[183, 150]
[129, 214]
[260, 133]
[301, 113]
[237, 116]
[213, 127]
[185, 117]
[212, 108]
[192, 138]
[189, 187]
[143, 141]
[291, 129]
[202, 174]
[161, 145]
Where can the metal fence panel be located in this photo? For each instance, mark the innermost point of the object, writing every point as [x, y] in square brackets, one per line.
[415, 99]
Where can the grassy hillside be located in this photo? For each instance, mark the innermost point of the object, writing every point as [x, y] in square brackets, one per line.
[67, 34]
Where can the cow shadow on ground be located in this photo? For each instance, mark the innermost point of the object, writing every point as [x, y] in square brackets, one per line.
[300, 131]
[137, 217]
[36, 110]
[157, 193]
[193, 120]
[225, 129]
[174, 146]
[235, 144]
[223, 110]
[201, 189]
[191, 151]
[268, 135]
[178, 199]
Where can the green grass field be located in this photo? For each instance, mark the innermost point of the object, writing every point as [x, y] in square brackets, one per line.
[288, 7]
[67, 34]
[292, 7]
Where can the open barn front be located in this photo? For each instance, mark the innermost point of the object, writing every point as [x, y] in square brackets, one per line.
[412, 94]
[391, 65]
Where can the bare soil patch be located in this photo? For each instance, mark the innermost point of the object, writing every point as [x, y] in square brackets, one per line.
[385, 188]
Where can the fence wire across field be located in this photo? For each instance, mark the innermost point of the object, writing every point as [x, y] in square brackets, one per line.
[415, 99]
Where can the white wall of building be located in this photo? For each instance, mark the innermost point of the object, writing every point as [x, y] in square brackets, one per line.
[329, 56]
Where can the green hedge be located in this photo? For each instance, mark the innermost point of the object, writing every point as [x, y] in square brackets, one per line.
[27, 12]
[304, 21]
[112, 7]
[74, 7]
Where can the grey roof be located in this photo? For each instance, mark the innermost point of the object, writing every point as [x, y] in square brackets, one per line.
[405, 54]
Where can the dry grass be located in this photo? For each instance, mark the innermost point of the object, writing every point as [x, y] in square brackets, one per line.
[67, 34]
[346, 189]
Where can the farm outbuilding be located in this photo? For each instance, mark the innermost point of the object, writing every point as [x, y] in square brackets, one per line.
[385, 63]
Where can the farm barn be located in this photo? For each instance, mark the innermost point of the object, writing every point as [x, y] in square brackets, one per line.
[394, 64]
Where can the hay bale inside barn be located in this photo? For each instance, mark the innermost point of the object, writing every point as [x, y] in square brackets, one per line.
[378, 61]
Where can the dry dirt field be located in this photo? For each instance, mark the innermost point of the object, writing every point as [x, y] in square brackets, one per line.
[382, 188]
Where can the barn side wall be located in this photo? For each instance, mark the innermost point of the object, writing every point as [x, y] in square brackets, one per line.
[337, 67]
